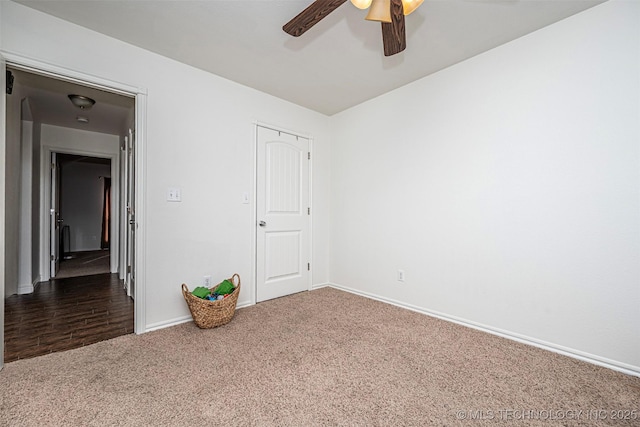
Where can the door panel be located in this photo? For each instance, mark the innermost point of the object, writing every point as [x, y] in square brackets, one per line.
[283, 176]
[284, 248]
[282, 234]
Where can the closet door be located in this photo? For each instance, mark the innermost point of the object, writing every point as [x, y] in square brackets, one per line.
[283, 214]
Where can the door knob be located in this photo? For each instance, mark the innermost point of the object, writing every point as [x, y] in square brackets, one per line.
[262, 224]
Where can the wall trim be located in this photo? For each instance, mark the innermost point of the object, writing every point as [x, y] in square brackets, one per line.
[168, 323]
[29, 288]
[244, 304]
[47, 69]
[25, 289]
[184, 319]
[523, 339]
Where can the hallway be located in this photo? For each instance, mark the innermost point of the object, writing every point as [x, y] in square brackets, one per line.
[63, 314]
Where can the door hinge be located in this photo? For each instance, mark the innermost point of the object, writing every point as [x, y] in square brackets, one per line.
[128, 269]
[309, 155]
[53, 166]
[308, 211]
[52, 257]
[308, 266]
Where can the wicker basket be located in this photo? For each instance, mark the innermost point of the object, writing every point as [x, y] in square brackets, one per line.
[209, 314]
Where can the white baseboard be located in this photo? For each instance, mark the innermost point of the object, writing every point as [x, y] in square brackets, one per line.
[320, 285]
[28, 288]
[576, 354]
[183, 319]
[168, 323]
[244, 304]
[25, 289]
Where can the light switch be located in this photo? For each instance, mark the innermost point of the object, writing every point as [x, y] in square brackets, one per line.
[174, 194]
[245, 198]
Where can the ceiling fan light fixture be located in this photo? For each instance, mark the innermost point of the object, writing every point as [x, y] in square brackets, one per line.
[390, 13]
[380, 11]
[361, 4]
[409, 6]
[82, 119]
[82, 102]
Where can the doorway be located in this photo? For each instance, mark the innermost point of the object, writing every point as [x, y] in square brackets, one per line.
[84, 225]
[283, 213]
[44, 102]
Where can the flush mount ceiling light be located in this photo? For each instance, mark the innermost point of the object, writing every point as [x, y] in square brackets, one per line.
[82, 119]
[390, 13]
[82, 102]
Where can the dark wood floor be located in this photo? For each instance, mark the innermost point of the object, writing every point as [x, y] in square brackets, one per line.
[66, 313]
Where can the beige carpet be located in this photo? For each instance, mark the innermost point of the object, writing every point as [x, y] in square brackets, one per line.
[85, 263]
[316, 358]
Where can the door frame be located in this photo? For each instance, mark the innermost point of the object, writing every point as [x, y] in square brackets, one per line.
[46, 190]
[3, 161]
[140, 96]
[128, 194]
[254, 211]
[54, 226]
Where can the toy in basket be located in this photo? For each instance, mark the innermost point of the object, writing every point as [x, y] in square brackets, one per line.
[211, 313]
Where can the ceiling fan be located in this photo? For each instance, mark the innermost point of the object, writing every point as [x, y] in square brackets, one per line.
[390, 13]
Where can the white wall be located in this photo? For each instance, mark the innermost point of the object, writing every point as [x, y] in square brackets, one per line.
[82, 201]
[193, 142]
[25, 279]
[35, 204]
[29, 218]
[68, 140]
[507, 188]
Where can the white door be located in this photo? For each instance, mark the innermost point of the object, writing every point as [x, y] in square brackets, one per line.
[56, 221]
[130, 277]
[283, 214]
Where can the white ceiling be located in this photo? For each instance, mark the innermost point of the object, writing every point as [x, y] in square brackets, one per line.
[49, 103]
[337, 64]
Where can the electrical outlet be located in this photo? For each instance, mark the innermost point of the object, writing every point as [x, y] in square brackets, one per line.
[400, 275]
[206, 281]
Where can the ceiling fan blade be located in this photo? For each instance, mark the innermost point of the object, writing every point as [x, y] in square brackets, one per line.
[394, 37]
[311, 16]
